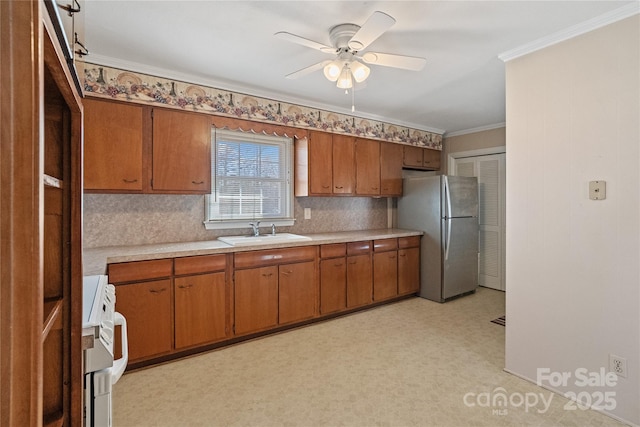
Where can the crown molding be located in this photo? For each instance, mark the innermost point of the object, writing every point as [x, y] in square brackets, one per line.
[576, 30]
[239, 88]
[474, 130]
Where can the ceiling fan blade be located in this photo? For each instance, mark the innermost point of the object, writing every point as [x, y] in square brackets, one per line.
[413, 63]
[307, 70]
[283, 35]
[377, 24]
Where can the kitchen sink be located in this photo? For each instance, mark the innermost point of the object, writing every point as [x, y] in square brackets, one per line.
[264, 239]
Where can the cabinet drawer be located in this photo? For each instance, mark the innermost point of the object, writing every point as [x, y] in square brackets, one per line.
[409, 242]
[274, 256]
[355, 248]
[140, 270]
[200, 264]
[333, 251]
[385, 245]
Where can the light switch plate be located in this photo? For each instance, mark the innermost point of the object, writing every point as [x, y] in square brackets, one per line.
[597, 190]
[307, 213]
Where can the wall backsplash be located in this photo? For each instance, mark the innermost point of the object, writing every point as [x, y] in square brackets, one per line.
[138, 219]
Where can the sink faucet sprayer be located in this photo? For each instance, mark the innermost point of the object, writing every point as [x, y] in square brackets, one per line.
[256, 230]
[273, 229]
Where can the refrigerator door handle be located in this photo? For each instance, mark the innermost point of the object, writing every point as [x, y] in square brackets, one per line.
[447, 240]
[447, 195]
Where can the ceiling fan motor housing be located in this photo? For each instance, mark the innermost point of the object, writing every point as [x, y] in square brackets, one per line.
[341, 34]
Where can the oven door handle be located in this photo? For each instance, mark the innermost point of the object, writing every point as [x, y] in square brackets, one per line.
[120, 365]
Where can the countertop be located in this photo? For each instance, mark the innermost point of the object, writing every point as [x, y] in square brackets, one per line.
[95, 260]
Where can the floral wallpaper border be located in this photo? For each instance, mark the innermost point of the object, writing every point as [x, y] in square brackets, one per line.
[107, 82]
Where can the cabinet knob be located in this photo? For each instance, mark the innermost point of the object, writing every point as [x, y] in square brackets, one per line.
[339, 187]
[325, 186]
[267, 274]
[129, 181]
[197, 182]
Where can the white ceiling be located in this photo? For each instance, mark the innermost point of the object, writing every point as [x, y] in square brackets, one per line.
[230, 45]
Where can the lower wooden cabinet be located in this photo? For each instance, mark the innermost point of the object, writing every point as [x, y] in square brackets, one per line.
[385, 275]
[297, 294]
[408, 265]
[359, 280]
[333, 285]
[200, 309]
[256, 299]
[385, 269]
[147, 308]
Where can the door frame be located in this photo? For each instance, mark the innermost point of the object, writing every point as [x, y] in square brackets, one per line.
[502, 149]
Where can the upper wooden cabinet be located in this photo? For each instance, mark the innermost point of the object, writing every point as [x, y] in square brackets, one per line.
[112, 146]
[325, 165]
[367, 167]
[390, 169]
[181, 152]
[421, 158]
[136, 149]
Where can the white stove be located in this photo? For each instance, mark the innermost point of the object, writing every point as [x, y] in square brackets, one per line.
[101, 371]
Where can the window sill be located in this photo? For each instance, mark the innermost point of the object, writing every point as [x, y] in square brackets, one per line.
[222, 225]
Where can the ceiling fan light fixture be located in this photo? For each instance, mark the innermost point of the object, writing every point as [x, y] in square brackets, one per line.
[360, 71]
[345, 81]
[332, 71]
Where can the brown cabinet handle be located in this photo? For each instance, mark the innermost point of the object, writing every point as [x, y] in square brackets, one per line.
[185, 286]
[197, 182]
[129, 181]
[339, 187]
[403, 255]
[157, 291]
[339, 265]
[267, 274]
[392, 257]
[325, 186]
[286, 273]
[352, 262]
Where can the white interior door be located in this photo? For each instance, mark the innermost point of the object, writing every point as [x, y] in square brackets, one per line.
[490, 170]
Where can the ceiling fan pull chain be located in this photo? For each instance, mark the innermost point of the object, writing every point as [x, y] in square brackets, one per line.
[353, 99]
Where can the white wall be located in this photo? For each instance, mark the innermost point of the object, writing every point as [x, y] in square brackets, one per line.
[573, 264]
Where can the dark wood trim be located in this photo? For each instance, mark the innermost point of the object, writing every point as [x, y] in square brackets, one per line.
[21, 212]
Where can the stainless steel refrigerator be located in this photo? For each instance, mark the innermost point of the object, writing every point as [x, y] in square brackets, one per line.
[446, 209]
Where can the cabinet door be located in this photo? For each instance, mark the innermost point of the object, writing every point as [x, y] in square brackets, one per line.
[112, 146]
[343, 164]
[200, 309]
[181, 152]
[256, 299]
[413, 156]
[390, 169]
[431, 159]
[147, 308]
[385, 275]
[333, 285]
[367, 167]
[298, 292]
[359, 280]
[408, 271]
[320, 163]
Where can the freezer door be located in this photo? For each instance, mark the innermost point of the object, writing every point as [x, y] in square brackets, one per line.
[459, 196]
[459, 256]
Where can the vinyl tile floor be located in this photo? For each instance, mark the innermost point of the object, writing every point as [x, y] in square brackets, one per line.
[408, 363]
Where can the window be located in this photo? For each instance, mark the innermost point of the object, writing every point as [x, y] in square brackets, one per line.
[251, 180]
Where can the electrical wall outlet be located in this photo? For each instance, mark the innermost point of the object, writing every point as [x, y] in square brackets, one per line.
[307, 213]
[618, 365]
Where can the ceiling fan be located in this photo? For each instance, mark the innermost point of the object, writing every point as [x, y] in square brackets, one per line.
[347, 43]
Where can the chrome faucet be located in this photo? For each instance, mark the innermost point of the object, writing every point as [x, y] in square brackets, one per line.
[254, 226]
[273, 229]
